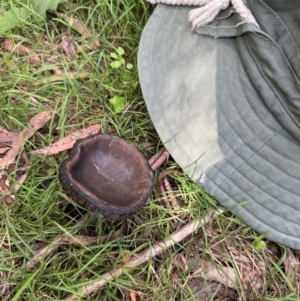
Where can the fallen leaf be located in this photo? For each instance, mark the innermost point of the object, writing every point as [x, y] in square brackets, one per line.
[21, 172]
[8, 137]
[9, 45]
[208, 270]
[76, 24]
[20, 49]
[18, 171]
[67, 46]
[210, 290]
[5, 191]
[68, 141]
[35, 123]
[3, 150]
[80, 27]
[61, 77]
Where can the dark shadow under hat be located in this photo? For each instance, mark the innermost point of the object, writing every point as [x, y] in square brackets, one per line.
[225, 100]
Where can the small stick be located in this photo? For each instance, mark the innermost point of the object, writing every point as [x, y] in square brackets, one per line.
[161, 159]
[162, 175]
[67, 239]
[143, 256]
[163, 195]
[170, 194]
[156, 156]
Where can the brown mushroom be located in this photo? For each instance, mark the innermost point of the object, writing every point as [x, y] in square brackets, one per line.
[107, 174]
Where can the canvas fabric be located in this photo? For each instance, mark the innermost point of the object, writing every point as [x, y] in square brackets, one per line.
[225, 101]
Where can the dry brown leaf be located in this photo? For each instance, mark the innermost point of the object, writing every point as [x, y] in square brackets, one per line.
[80, 27]
[68, 141]
[207, 270]
[224, 275]
[34, 59]
[35, 123]
[61, 77]
[5, 191]
[8, 137]
[76, 24]
[18, 171]
[9, 45]
[210, 290]
[3, 150]
[67, 46]
[20, 49]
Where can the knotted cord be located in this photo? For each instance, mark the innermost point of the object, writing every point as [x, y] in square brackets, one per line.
[209, 10]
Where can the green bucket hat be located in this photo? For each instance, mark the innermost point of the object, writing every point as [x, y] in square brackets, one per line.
[225, 100]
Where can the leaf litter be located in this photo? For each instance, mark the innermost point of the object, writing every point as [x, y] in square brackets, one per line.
[20, 49]
[66, 44]
[68, 141]
[9, 164]
[78, 26]
[13, 143]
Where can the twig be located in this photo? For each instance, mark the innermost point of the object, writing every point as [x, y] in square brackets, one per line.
[170, 194]
[156, 156]
[70, 240]
[143, 256]
[163, 195]
[161, 159]
[162, 176]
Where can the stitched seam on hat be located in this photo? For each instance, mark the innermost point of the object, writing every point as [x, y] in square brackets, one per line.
[262, 221]
[279, 19]
[235, 26]
[248, 159]
[264, 125]
[227, 34]
[279, 48]
[267, 209]
[250, 198]
[254, 152]
[260, 69]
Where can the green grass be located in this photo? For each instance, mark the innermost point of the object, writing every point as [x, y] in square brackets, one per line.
[42, 211]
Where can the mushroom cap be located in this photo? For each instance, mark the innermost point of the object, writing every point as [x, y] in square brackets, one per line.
[107, 174]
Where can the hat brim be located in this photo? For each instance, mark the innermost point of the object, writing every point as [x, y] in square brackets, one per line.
[210, 104]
